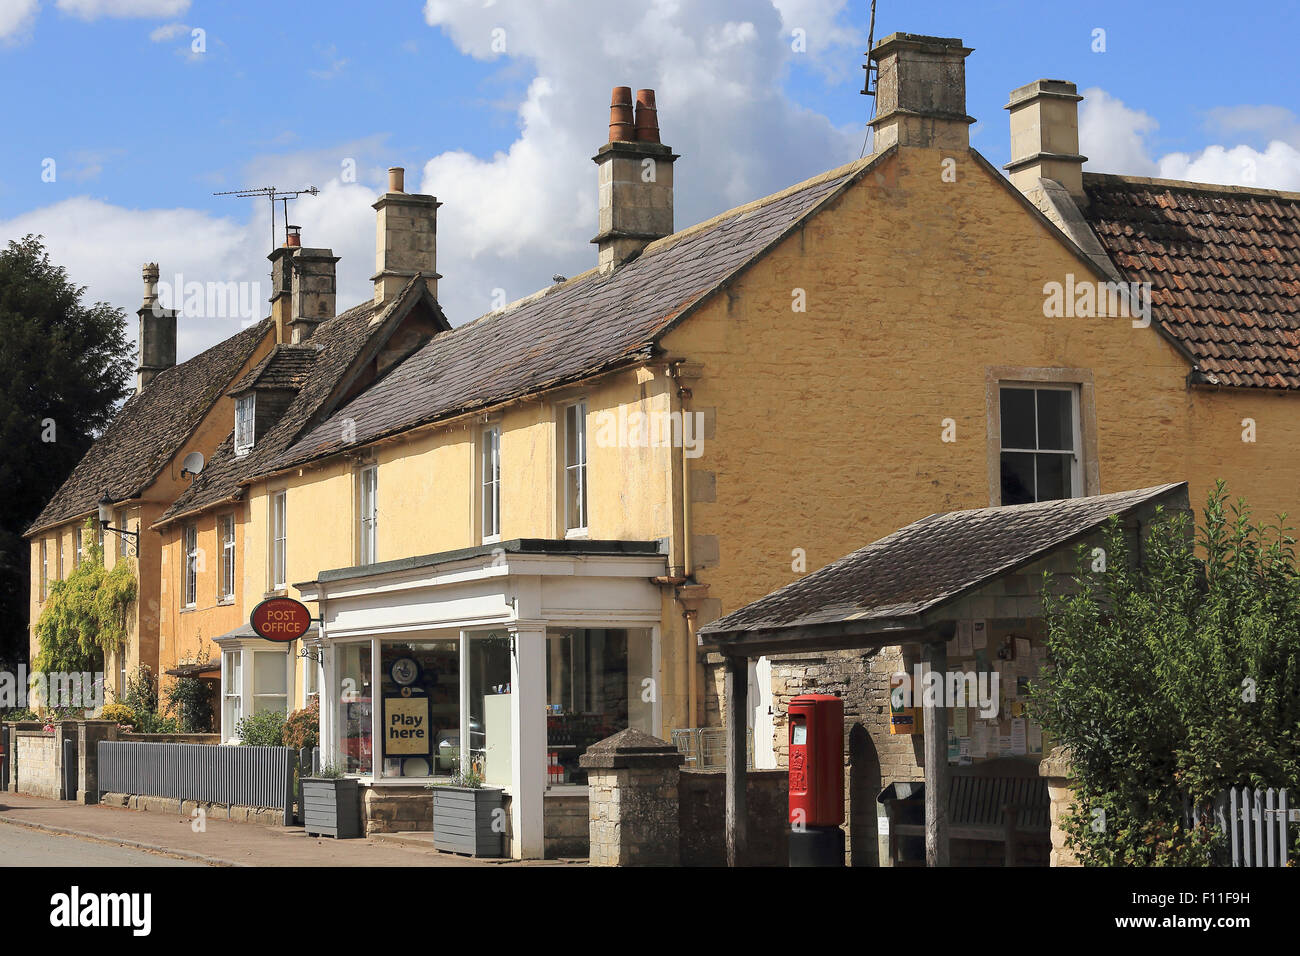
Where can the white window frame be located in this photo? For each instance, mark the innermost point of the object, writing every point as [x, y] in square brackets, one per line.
[245, 423]
[190, 581]
[79, 553]
[490, 483]
[368, 514]
[279, 528]
[575, 526]
[45, 569]
[232, 691]
[1076, 438]
[226, 586]
[58, 571]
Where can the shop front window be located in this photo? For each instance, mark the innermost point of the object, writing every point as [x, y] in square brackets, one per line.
[421, 707]
[355, 701]
[490, 746]
[598, 681]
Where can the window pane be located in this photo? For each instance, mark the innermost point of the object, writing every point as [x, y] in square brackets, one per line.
[421, 705]
[1055, 419]
[356, 740]
[594, 679]
[1017, 478]
[490, 741]
[1018, 418]
[266, 705]
[1053, 477]
[572, 439]
[270, 673]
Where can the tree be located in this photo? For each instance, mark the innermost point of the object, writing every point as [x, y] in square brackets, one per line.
[64, 368]
[1174, 679]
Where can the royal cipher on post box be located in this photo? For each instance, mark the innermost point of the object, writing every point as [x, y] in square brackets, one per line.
[816, 761]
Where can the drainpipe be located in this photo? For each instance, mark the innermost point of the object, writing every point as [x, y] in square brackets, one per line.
[688, 612]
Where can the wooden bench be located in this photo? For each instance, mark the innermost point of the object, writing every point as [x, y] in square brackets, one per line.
[996, 801]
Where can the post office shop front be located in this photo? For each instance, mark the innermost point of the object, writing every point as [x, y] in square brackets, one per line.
[510, 660]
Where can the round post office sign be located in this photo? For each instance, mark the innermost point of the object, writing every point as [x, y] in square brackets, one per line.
[280, 619]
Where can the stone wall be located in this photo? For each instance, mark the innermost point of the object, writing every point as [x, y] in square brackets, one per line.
[702, 807]
[396, 809]
[192, 809]
[38, 762]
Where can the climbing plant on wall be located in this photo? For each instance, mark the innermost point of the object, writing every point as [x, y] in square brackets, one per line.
[85, 614]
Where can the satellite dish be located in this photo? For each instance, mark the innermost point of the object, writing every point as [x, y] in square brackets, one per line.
[193, 464]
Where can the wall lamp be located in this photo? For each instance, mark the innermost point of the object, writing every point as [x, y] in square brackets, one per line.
[105, 522]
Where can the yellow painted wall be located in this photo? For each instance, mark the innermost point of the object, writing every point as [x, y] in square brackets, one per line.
[829, 422]
[145, 636]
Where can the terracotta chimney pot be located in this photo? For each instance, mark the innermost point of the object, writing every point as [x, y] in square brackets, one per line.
[647, 117]
[622, 129]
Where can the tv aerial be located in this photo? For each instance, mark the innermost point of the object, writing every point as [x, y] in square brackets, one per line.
[275, 195]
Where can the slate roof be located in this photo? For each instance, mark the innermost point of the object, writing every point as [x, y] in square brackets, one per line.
[285, 367]
[315, 368]
[1224, 266]
[589, 324]
[150, 429]
[932, 561]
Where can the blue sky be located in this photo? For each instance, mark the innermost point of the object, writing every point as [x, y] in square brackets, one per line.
[143, 129]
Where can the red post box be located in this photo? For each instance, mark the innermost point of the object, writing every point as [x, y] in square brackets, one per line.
[816, 761]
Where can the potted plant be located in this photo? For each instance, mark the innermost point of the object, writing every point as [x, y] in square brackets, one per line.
[467, 816]
[330, 804]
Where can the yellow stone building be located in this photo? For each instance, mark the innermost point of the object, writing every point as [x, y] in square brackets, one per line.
[520, 522]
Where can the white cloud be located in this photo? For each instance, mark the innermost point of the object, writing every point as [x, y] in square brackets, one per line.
[16, 18]
[94, 9]
[169, 31]
[513, 219]
[1114, 137]
[1277, 167]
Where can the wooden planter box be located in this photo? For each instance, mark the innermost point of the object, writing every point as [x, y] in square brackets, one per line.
[462, 820]
[330, 807]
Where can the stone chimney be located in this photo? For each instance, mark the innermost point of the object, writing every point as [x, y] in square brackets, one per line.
[635, 180]
[157, 331]
[1045, 137]
[921, 92]
[312, 291]
[406, 238]
[282, 283]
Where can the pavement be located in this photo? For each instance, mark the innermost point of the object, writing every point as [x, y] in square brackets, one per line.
[220, 842]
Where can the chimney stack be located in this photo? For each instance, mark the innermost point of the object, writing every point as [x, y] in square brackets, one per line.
[635, 180]
[312, 291]
[921, 92]
[406, 238]
[157, 332]
[1045, 137]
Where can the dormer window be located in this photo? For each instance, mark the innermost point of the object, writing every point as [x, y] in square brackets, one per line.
[245, 415]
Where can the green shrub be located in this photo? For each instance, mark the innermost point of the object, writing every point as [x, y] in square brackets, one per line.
[1174, 679]
[190, 700]
[261, 730]
[142, 698]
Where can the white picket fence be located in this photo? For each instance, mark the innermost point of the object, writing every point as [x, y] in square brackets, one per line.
[1255, 822]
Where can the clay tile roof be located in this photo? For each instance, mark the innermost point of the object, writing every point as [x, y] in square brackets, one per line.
[150, 429]
[935, 560]
[572, 330]
[1224, 265]
[316, 367]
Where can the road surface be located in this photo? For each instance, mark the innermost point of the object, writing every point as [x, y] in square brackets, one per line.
[20, 846]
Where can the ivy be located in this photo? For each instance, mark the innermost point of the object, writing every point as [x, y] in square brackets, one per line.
[1172, 680]
[85, 614]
